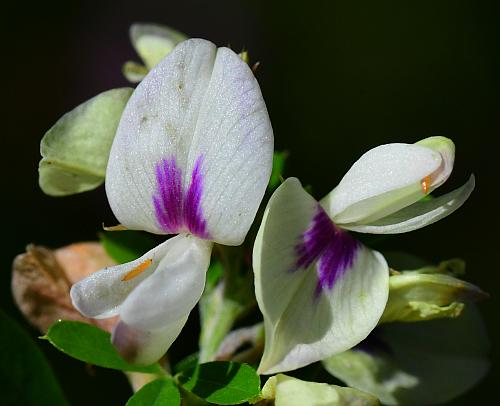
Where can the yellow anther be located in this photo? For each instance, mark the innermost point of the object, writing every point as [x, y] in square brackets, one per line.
[426, 184]
[138, 270]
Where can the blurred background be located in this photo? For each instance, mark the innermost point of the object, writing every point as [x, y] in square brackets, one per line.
[338, 77]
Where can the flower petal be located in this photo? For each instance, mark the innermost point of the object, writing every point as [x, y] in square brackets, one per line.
[383, 181]
[144, 347]
[158, 308]
[153, 41]
[173, 289]
[419, 214]
[101, 294]
[235, 138]
[446, 149]
[193, 152]
[75, 150]
[320, 291]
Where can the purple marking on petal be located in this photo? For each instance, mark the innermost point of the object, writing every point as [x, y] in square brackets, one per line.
[175, 209]
[193, 216]
[332, 248]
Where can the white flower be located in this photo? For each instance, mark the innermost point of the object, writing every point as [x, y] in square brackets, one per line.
[320, 290]
[192, 156]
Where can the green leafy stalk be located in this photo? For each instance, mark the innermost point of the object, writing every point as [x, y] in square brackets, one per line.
[224, 300]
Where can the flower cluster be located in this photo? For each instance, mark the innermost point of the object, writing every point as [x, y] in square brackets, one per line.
[189, 153]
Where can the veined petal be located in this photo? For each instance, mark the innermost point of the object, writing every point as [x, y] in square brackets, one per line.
[193, 151]
[320, 291]
[386, 179]
[173, 289]
[101, 294]
[153, 41]
[235, 139]
[153, 138]
[419, 214]
[158, 308]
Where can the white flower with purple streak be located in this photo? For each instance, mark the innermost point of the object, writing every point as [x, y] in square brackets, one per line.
[192, 156]
[320, 290]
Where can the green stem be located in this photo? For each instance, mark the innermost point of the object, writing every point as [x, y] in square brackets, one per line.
[223, 304]
[218, 314]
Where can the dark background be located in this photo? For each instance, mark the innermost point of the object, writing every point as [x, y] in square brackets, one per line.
[338, 78]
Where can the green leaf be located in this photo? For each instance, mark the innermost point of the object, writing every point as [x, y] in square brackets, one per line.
[161, 392]
[75, 150]
[222, 383]
[125, 246]
[92, 345]
[279, 160]
[25, 375]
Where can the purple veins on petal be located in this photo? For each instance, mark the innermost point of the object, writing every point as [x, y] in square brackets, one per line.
[193, 215]
[333, 249]
[175, 209]
[168, 200]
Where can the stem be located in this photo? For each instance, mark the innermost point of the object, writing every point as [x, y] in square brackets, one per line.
[222, 305]
[218, 314]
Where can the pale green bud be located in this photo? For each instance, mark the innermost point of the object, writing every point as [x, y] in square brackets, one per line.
[75, 150]
[288, 391]
[429, 293]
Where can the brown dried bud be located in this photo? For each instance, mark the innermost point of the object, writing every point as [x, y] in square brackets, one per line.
[42, 278]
